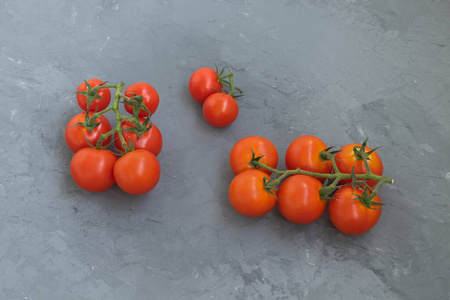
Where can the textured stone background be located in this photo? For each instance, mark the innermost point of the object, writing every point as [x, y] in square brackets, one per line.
[340, 70]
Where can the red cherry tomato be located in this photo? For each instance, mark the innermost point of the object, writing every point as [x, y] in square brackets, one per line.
[241, 154]
[304, 153]
[76, 135]
[346, 159]
[92, 169]
[150, 141]
[149, 94]
[299, 200]
[220, 109]
[98, 104]
[137, 172]
[248, 196]
[349, 215]
[203, 83]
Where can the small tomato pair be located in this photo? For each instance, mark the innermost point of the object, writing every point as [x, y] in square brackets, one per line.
[247, 192]
[219, 108]
[136, 172]
[103, 96]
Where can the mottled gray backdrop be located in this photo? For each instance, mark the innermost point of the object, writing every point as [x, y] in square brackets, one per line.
[340, 70]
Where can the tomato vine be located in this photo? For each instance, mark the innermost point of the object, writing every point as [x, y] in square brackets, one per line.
[136, 101]
[336, 177]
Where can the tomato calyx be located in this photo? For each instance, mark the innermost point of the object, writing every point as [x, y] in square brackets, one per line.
[270, 185]
[91, 93]
[227, 81]
[366, 200]
[368, 193]
[89, 122]
[137, 102]
[328, 155]
[255, 159]
[360, 151]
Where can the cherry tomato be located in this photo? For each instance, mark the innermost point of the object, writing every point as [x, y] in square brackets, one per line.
[98, 104]
[241, 154]
[93, 170]
[304, 153]
[76, 135]
[203, 83]
[150, 141]
[148, 92]
[220, 109]
[346, 159]
[299, 200]
[248, 196]
[137, 172]
[349, 215]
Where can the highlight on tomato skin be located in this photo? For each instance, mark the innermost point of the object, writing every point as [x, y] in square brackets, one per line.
[137, 172]
[248, 196]
[204, 82]
[151, 141]
[304, 153]
[220, 109]
[299, 199]
[93, 170]
[349, 215]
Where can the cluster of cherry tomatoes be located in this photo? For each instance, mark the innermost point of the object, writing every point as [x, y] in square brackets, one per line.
[301, 192]
[298, 196]
[88, 134]
[207, 87]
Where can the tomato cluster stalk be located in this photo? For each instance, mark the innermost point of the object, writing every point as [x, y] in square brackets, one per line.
[326, 192]
[136, 101]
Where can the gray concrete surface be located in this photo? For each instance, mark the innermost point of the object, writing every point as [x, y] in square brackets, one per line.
[340, 70]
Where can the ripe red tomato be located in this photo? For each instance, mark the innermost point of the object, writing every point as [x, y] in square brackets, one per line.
[241, 154]
[76, 135]
[351, 216]
[150, 141]
[98, 104]
[148, 92]
[304, 153]
[346, 159]
[203, 83]
[137, 172]
[299, 200]
[220, 109]
[93, 170]
[248, 196]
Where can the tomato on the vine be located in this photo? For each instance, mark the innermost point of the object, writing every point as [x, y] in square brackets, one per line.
[76, 135]
[98, 104]
[220, 109]
[204, 82]
[346, 159]
[248, 196]
[241, 154]
[349, 215]
[299, 200]
[304, 153]
[149, 94]
[93, 170]
[137, 172]
[151, 140]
